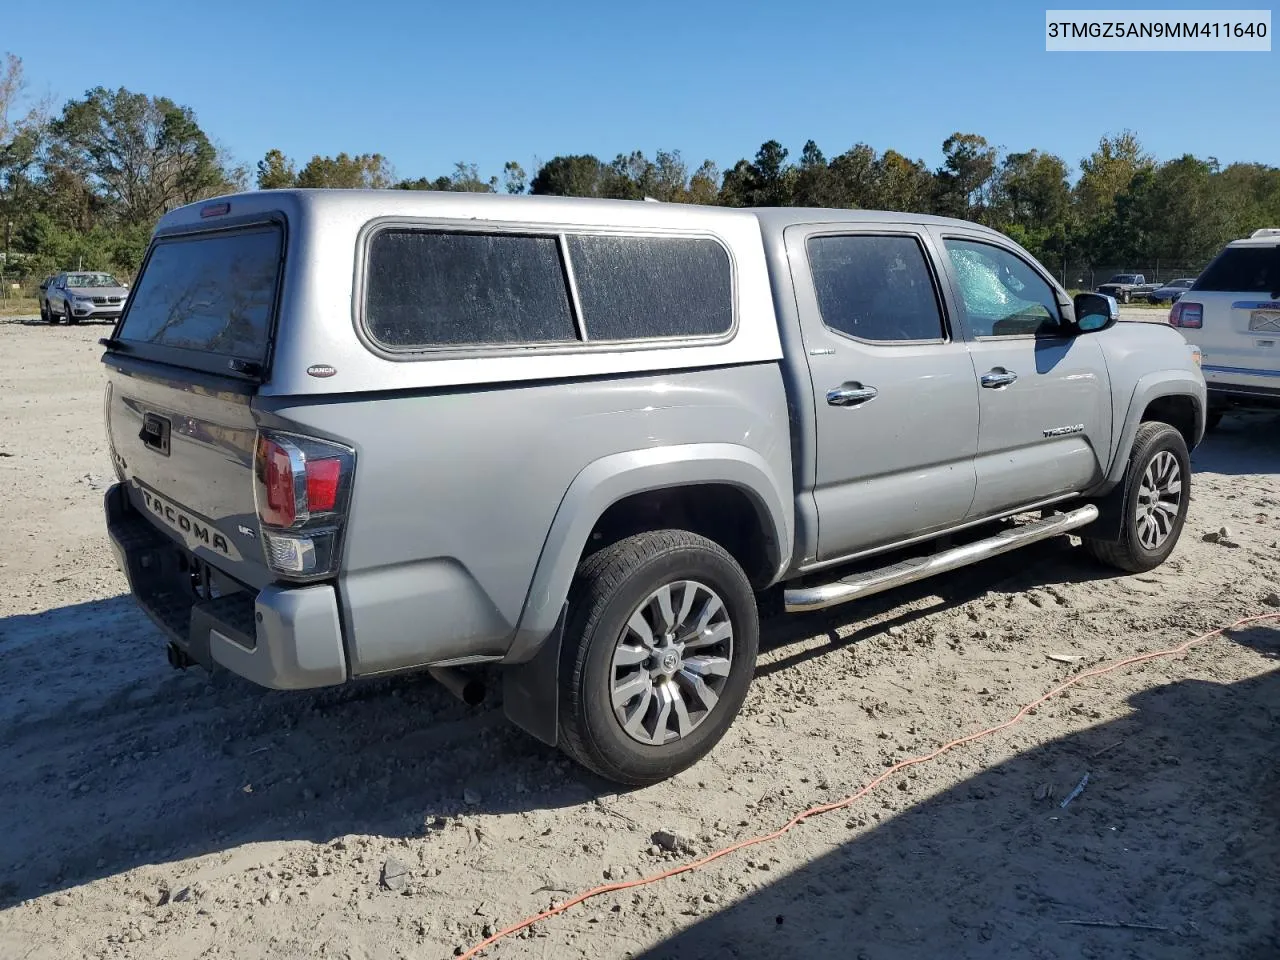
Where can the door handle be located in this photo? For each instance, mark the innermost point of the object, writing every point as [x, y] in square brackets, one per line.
[997, 378]
[851, 395]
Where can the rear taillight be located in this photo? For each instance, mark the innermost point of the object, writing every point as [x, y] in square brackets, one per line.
[1185, 314]
[302, 488]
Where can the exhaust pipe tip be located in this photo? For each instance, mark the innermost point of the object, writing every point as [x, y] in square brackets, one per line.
[467, 687]
[177, 657]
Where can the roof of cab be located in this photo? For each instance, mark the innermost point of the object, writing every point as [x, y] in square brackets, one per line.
[779, 218]
[490, 206]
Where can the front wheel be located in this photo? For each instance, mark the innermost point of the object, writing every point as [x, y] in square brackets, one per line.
[659, 650]
[1156, 491]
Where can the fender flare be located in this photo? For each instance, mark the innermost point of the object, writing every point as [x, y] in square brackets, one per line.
[610, 479]
[1154, 386]
[531, 666]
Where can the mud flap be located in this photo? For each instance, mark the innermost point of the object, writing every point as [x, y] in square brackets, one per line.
[531, 690]
[1110, 523]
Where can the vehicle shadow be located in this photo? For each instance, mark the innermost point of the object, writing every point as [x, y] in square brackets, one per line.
[1244, 443]
[110, 759]
[1175, 830]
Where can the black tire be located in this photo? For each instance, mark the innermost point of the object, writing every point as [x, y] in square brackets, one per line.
[1124, 296]
[1129, 553]
[44, 312]
[68, 316]
[1212, 419]
[610, 587]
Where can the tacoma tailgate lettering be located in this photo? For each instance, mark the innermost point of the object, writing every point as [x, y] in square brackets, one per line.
[194, 532]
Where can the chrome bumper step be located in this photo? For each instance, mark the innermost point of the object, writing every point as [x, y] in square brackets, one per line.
[803, 599]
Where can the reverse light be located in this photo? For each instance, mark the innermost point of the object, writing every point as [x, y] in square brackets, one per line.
[302, 487]
[1187, 315]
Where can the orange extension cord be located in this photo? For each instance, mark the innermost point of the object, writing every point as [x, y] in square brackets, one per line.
[867, 788]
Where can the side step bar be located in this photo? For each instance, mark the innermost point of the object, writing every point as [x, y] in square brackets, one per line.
[803, 599]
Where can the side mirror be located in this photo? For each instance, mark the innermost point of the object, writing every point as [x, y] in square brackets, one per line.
[1095, 311]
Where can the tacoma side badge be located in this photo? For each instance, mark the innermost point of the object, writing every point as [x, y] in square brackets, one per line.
[321, 370]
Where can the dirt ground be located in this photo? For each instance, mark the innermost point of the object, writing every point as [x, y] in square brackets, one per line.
[154, 814]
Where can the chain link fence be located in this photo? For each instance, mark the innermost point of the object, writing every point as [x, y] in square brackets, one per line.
[1083, 276]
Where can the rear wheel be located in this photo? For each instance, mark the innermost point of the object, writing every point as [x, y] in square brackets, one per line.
[1124, 296]
[659, 650]
[1156, 492]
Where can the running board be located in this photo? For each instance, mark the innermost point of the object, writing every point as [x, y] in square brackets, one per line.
[803, 599]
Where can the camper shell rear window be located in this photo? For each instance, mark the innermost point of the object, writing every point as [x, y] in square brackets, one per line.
[208, 294]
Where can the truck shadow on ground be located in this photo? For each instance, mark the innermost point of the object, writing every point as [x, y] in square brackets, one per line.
[1176, 829]
[110, 760]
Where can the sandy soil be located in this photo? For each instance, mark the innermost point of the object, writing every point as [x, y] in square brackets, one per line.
[161, 815]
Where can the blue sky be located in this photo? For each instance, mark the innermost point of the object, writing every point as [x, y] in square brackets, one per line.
[427, 84]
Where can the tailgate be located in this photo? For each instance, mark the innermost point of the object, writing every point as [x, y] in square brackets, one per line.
[184, 367]
[186, 451]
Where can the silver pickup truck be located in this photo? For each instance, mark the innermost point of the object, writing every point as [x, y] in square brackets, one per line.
[361, 432]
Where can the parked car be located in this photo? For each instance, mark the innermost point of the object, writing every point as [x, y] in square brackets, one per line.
[1232, 313]
[581, 439]
[1127, 286]
[1171, 291]
[82, 295]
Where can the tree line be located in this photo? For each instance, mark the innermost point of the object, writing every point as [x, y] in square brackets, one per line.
[84, 186]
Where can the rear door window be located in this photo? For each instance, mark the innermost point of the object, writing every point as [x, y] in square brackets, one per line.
[1243, 270]
[634, 288]
[876, 288]
[214, 293]
[437, 289]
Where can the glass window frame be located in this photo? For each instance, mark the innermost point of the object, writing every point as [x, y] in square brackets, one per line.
[947, 333]
[561, 231]
[1063, 331]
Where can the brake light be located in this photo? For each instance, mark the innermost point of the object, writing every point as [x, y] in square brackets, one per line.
[302, 487]
[322, 484]
[1185, 314]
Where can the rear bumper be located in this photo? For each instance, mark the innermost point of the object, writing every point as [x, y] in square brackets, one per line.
[285, 638]
[1232, 387]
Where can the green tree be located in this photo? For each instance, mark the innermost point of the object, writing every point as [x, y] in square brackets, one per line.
[275, 170]
[704, 185]
[576, 175]
[963, 183]
[768, 181]
[361, 171]
[1031, 201]
[514, 179]
[144, 154]
[901, 184]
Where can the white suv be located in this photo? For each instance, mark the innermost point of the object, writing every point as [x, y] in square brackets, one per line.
[1234, 311]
